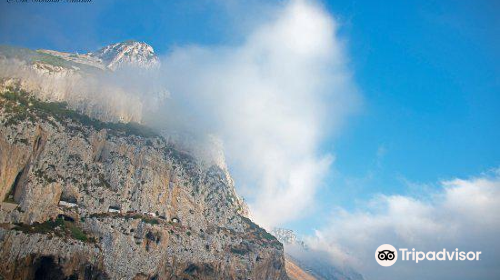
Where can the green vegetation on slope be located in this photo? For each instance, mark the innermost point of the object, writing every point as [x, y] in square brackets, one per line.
[59, 227]
[259, 233]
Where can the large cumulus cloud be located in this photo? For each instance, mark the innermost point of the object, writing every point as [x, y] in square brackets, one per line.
[463, 214]
[272, 99]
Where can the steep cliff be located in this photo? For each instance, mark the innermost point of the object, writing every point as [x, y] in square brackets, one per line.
[83, 198]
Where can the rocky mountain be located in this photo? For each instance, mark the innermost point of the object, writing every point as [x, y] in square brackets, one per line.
[115, 56]
[88, 82]
[86, 193]
[128, 53]
[287, 236]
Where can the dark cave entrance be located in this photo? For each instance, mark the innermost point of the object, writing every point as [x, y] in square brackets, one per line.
[45, 268]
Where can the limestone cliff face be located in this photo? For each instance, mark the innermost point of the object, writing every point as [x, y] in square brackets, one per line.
[85, 199]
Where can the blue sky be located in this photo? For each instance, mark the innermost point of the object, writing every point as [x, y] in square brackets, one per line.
[429, 74]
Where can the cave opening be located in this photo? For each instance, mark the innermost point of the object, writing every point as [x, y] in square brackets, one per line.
[46, 268]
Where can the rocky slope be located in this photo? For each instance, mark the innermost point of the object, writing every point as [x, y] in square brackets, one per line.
[84, 198]
[295, 272]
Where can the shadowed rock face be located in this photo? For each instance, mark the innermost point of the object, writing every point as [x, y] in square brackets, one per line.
[84, 199]
[46, 267]
[43, 267]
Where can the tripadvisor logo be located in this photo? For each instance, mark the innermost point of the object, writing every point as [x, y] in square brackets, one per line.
[387, 255]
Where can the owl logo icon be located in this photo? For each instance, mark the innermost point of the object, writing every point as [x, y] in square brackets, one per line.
[386, 255]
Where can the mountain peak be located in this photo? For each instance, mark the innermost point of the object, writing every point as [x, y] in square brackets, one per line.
[130, 52]
[287, 237]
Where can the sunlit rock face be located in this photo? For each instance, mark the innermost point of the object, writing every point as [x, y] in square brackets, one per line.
[128, 53]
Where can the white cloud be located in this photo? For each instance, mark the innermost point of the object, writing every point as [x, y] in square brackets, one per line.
[464, 214]
[272, 100]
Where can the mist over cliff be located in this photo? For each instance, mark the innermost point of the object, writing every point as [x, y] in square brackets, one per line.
[267, 102]
[272, 100]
